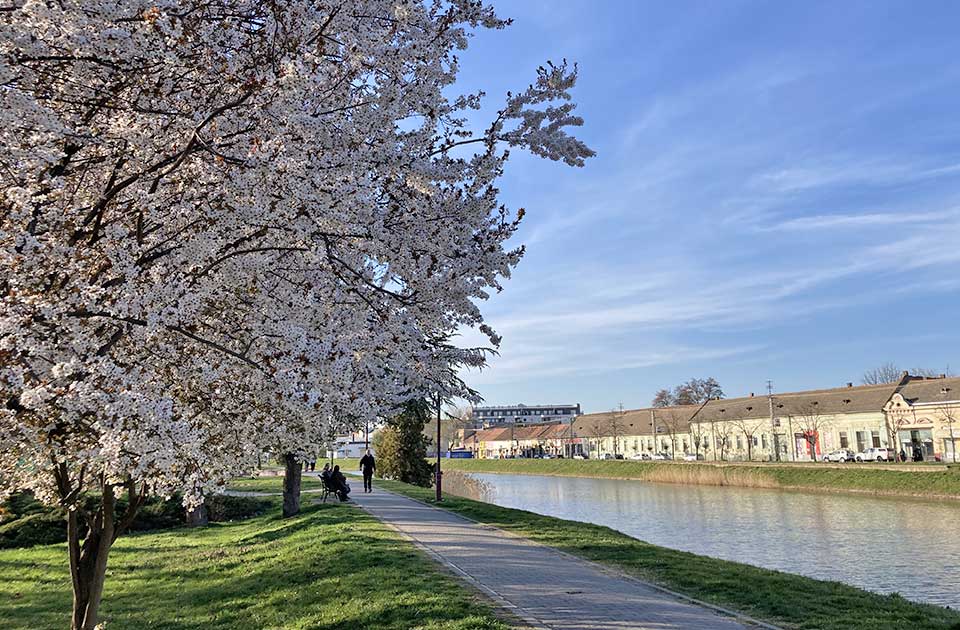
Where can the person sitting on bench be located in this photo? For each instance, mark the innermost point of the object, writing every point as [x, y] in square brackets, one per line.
[339, 483]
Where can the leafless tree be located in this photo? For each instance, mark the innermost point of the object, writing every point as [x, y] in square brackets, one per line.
[663, 398]
[890, 373]
[811, 422]
[617, 427]
[723, 434]
[674, 422]
[700, 437]
[749, 427]
[949, 415]
[454, 420]
[693, 392]
[596, 429]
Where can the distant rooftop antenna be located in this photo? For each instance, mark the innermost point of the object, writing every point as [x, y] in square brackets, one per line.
[769, 387]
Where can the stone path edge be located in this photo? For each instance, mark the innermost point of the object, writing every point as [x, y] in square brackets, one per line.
[613, 571]
[498, 600]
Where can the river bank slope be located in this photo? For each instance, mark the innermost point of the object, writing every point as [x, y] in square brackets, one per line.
[934, 482]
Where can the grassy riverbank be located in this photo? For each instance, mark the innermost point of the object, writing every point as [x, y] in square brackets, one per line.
[920, 482]
[784, 599]
[270, 484]
[332, 567]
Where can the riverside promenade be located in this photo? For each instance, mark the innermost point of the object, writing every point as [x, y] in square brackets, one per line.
[542, 586]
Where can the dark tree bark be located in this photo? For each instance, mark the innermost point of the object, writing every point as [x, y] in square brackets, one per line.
[88, 559]
[198, 517]
[291, 485]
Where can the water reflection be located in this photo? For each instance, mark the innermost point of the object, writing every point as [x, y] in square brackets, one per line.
[881, 544]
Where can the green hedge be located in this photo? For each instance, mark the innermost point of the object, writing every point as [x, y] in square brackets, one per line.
[25, 522]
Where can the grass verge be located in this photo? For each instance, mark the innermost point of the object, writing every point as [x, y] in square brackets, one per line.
[783, 599]
[943, 483]
[331, 567]
[270, 484]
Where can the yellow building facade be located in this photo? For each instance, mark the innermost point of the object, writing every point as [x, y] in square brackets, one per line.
[916, 416]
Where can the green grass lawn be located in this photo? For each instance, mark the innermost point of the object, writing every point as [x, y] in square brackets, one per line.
[781, 598]
[330, 567]
[850, 477]
[270, 484]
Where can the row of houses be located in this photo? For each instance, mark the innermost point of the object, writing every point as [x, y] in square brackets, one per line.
[916, 412]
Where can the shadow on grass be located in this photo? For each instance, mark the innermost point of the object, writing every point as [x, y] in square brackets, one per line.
[331, 567]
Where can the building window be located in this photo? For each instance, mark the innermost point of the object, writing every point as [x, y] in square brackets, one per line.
[763, 440]
[875, 436]
[739, 443]
[861, 440]
[844, 442]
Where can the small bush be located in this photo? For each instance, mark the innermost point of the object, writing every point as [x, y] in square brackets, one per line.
[34, 529]
[222, 508]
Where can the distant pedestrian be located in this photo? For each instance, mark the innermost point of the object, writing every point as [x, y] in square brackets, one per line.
[367, 465]
[903, 455]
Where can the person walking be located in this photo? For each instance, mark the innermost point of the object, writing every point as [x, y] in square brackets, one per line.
[367, 465]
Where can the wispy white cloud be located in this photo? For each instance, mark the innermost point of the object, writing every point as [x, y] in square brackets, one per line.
[875, 219]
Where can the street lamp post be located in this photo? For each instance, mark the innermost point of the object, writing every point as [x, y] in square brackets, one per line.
[439, 474]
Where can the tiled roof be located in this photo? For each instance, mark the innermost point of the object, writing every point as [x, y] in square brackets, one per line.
[634, 421]
[521, 433]
[863, 398]
[918, 389]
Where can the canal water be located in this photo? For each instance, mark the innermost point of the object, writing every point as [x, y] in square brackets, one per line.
[879, 544]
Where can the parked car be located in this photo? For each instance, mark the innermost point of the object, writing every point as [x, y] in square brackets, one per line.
[872, 454]
[639, 456]
[661, 456]
[840, 455]
[606, 456]
[691, 457]
[581, 456]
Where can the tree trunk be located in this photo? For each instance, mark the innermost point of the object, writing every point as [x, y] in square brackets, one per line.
[198, 516]
[291, 485]
[88, 563]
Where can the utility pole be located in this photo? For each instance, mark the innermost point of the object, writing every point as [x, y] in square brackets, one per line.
[616, 438]
[773, 424]
[439, 474]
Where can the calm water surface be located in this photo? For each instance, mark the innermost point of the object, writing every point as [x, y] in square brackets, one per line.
[880, 544]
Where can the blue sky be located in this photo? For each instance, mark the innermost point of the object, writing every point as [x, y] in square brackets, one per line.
[776, 195]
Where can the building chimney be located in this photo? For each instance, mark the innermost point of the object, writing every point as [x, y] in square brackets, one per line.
[849, 384]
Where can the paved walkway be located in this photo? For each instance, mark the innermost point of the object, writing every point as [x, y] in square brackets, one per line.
[544, 587]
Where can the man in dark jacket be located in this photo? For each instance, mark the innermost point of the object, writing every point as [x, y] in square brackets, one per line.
[367, 466]
[339, 483]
